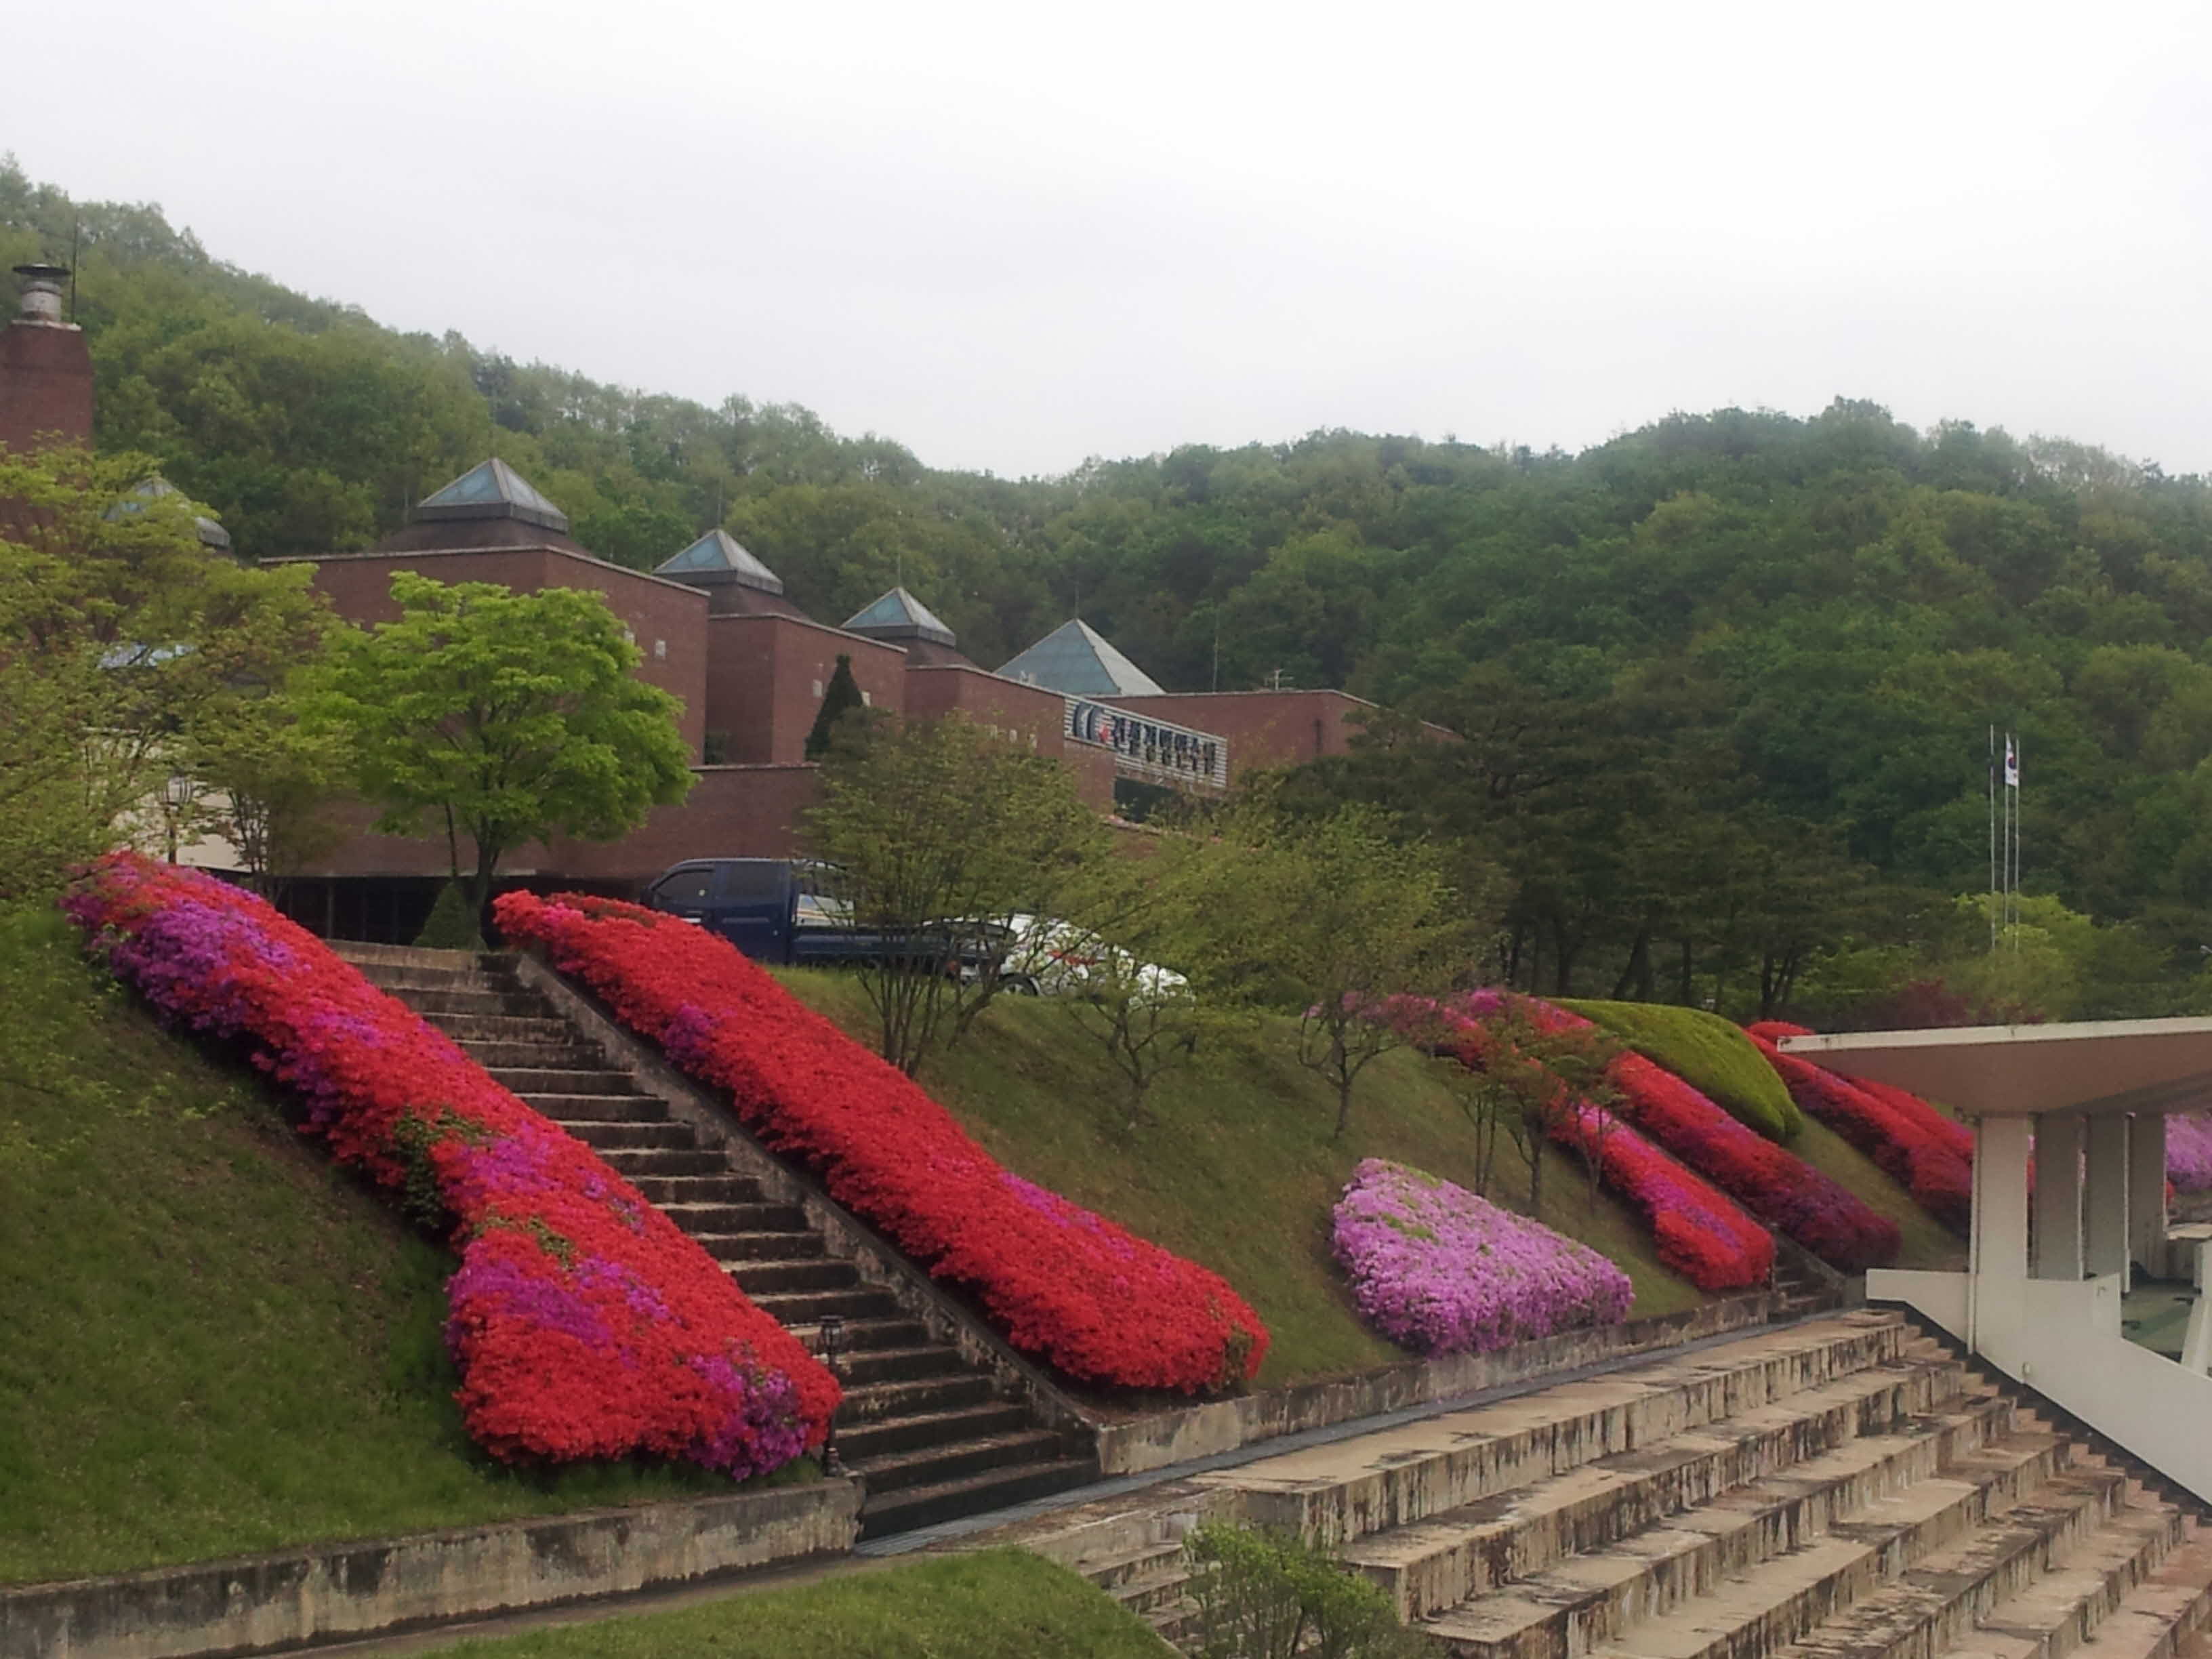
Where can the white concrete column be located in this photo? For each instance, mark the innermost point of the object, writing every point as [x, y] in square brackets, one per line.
[2057, 1238]
[2106, 1218]
[2001, 1198]
[2146, 1192]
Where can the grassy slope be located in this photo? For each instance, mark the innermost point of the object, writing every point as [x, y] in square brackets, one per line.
[1238, 1170]
[214, 1342]
[1707, 1052]
[995, 1604]
[1715, 1056]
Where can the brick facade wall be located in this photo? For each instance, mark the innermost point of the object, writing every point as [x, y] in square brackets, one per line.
[766, 676]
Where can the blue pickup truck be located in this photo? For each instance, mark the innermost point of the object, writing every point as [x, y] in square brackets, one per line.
[776, 910]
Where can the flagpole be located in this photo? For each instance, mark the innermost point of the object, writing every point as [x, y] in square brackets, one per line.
[1993, 841]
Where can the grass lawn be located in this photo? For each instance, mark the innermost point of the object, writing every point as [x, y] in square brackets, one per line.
[994, 1604]
[1238, 1170]
[1923, 1242]
[215, 1342]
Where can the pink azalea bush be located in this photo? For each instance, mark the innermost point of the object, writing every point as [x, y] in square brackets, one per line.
[2189, 1151]
[584, 1323]
[1440, 1271]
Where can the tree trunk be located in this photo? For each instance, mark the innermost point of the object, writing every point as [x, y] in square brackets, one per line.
[1636, 970]
[1686, 994]
[1343, 1083]
[480, 883]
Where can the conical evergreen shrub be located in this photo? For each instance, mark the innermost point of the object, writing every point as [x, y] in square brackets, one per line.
[449, 926]
[840, 699]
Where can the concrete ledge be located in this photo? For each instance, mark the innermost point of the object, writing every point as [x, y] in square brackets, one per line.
[250, 1604]
[1176, 1436]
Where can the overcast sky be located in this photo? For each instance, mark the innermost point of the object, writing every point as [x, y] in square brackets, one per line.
[1014, 236]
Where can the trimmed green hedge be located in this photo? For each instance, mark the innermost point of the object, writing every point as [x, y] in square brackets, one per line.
[1708, 1053]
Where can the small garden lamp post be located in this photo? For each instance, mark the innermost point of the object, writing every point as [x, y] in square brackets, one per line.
[832, 1338]
[176, 796]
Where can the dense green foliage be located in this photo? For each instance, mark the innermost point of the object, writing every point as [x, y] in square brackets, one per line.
[992, 1604]
[1726, 680]
[1709, 1054]
[215, 1343]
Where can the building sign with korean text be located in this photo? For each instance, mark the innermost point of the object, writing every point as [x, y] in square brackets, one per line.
[1146, 748]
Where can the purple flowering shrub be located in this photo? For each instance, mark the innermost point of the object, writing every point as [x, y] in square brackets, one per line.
[1440, 1271]
[2189, 1151]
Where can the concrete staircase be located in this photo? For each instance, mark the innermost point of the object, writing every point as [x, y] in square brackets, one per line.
[930, 1434]
[1842, 1487]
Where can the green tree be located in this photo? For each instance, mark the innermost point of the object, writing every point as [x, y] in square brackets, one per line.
[123, 641]
[503, 717]
[1134, 964]
[840, 698]
[1265, 1594]
[1343, 914]
[268, 778]
[937, 835]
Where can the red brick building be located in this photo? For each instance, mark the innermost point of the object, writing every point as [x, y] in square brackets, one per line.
[45, 371]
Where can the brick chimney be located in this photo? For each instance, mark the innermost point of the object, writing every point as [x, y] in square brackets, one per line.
[46, 372]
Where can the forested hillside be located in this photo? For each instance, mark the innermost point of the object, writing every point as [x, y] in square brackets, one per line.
[1726, 680]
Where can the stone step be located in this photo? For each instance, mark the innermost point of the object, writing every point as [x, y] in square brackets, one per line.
[952, 1460]
[573, 1054]
[886, 1402]
[761, 1217]
[634, 1161]
[897, 1434]
[828, 1274]
[1916, 1568]
[604, 1137]
[799, 1308]
[471, 1000]
[762, 1246]
[1940, 1597]
[1437, 1563]
[923, 1506]
[2055, 1615]
[1154, 1592]
[1177, 1623]
[690, 1193]
[530, 1080]
[1153, 1559]
[907, 1364]
[1594, 1596]
[565, 1108]
[2162, 1617]
[406, 980]
[860, 1335]
[469, 1029]
[1335, 1493]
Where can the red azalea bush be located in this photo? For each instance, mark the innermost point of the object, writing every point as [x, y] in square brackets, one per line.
[1099, 1303]
[1777, 1187]
[1702, 1233]
[1913, 1143]
[583, 1322]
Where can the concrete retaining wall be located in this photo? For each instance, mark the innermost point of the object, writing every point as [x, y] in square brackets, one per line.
[1152, 1442]
[252, 1603]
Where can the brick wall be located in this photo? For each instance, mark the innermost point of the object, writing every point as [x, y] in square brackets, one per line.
[766, 676]
[1264, 728]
